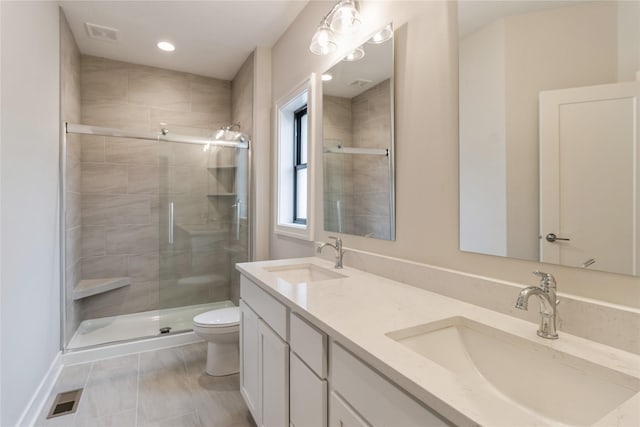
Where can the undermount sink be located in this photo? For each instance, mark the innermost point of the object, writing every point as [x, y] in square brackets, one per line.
[551, 383]
[303, 273]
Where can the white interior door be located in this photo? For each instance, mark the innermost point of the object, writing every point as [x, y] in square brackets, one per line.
[589, 180]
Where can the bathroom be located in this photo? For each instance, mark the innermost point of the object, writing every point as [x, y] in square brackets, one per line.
[596, 305]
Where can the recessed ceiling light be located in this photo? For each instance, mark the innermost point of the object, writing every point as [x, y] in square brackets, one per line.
[356, 55]
[166, 46]
[326, 77]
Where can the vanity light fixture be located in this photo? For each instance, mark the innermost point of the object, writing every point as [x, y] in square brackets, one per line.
[323, 41]
[357, 54]
[381, 36]
[343, 18]
[166, 46]
[326, 77]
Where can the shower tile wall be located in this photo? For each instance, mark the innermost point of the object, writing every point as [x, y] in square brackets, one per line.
[70, 111]
[338, 175]
[127, 184]
[360, 182]
[372, 129]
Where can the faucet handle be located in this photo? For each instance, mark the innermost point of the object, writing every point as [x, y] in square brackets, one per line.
[334, 238]
[546, 279]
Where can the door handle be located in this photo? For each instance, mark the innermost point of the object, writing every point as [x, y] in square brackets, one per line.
[551, 237]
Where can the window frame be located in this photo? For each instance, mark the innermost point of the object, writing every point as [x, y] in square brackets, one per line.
[297, 158]
[304, 93]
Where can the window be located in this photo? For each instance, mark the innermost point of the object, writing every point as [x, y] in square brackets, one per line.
[300, 166]
[293, 207]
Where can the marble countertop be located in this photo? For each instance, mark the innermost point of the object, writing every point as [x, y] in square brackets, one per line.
[359, 310]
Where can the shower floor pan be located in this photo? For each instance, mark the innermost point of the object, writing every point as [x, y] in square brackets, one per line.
[139, 325]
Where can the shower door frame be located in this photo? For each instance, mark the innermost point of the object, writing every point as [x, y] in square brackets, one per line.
[161, 136]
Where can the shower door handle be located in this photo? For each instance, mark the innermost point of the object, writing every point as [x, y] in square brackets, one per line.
[237, 206]
[171, 223]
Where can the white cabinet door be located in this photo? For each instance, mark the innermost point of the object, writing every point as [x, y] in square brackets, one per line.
[308, 396]
[249, 354]
[274, 378]
[377, 399]
[341, 415]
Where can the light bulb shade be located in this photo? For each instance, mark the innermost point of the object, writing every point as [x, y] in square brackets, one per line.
[382, 36]
[323, 41]
[346, 18]
[357, 54]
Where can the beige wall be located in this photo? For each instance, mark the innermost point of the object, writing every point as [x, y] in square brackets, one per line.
[70, 112]
[126, 186]
[242, 113]
[578, 47]
[426, 148]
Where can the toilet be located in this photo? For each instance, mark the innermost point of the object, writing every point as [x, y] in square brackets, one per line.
[221, 329]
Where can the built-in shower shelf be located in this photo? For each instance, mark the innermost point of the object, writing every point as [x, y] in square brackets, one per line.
[222, 167]
[222, 194]
[88, 287]
[207, 279]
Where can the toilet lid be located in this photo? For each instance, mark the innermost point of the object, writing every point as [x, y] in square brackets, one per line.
[220, 317]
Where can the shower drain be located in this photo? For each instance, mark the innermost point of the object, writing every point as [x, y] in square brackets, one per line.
[165, 330]
[65, 403]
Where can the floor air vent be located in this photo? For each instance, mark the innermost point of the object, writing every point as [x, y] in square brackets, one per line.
[65, 403]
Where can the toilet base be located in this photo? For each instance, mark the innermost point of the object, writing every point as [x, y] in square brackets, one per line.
[222, 359]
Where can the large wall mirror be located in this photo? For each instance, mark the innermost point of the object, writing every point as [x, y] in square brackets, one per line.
[549, 152]
[357, 99]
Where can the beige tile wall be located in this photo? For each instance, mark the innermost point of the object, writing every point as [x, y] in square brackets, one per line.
[372, 129]
[127, 185]
[70, 111]
[360, 182]
[338, 168]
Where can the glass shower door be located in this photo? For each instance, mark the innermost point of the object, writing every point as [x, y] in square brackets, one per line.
[203, 228]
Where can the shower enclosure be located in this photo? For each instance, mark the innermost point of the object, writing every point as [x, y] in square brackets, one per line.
[149, 245]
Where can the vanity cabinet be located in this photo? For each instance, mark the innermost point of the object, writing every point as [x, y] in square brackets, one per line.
[377, 401]
[292, 376]
[341, 414]
[264, 357]
[249, 361]
[308, 380]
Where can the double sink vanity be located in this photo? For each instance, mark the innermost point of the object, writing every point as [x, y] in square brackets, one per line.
[324, 346]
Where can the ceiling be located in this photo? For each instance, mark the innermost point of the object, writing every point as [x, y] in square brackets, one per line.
[376, 66]
[475, 14]
[212, 38]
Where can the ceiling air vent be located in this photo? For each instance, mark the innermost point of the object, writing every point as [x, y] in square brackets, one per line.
[360, 82]
[100, 32]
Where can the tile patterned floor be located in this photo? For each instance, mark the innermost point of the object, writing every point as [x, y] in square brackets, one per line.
[163, 388]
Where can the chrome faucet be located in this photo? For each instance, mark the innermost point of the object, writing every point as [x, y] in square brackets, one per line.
[337, 247]
[546, 294]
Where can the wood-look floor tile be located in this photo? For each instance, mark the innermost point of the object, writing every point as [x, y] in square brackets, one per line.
[71, 378]
[187, 420]
[164, 387]
[122, 419]
[111, 388]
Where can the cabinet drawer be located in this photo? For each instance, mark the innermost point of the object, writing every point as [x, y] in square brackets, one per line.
[309, 343]
[341, 415]
[308, 396]
[379, 401]
[265, 306]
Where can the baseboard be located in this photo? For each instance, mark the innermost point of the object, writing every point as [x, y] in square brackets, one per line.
[120, 349]
[36, 404]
